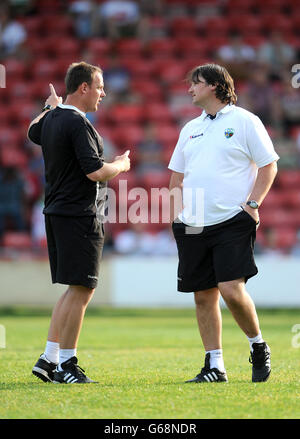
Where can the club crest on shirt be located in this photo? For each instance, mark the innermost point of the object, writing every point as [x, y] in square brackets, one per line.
[229, 132]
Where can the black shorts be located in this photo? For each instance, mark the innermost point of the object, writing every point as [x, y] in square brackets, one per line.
[75, 247]
[219, 253]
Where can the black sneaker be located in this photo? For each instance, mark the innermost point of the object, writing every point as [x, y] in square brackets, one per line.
[44, 369]
[208, 375]
[71, 373]
[261, 362]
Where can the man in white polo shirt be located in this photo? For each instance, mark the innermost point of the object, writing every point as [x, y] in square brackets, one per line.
[226, 155]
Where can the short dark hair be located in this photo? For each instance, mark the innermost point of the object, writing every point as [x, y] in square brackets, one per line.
[78, 73]
[215, 74]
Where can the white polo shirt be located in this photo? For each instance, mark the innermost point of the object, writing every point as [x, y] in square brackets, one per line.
[220, 159]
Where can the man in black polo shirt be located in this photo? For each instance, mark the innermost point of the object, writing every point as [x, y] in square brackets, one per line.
[76, 176]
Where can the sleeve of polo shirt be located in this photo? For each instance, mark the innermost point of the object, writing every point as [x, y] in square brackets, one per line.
[176, 163]
[85, 146]
[259, 143]
[35, 131]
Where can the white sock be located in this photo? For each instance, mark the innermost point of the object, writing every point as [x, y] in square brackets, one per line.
[52, 351]
[66, 354]
[216, 359]
[257, 339]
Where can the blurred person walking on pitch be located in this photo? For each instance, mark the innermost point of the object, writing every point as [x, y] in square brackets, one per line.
[226, 152]
[75, 192]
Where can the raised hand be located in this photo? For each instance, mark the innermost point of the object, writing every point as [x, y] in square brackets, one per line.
[53, 99]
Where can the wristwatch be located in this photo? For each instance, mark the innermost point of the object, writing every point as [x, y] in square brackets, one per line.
[47, 107]
[253, 204]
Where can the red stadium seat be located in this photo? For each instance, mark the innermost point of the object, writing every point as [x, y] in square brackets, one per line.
[130, 47]
[289, 179]
[275, 198]
[10, 137]
[276, 22]
[126, 114]
[245, 23]
[17, 240]
[171, 72]
[216, 26]
[127, 137]
[167, 134]
[13, 157]
[292, 198]
[186, 112]
[65, 46]
[277, 6]
[155, 180]
[158, 112]
[59, 25]
[162, 47]
[44, 68]
[279, 218]
[149, 90]
[139, 68]
[33, 25]
[98, 46]
[185, 26]
[246, 6]
[24, 111]
[286, 237]
[15, 70]
[191, 46]
[254, 40]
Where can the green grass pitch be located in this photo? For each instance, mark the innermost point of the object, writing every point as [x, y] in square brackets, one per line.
[141, 359]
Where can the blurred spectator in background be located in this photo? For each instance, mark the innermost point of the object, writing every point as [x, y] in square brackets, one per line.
[289, 104]
[270, 247]
[11, 200]
[237, 55]
[286, 148]
[259, 96]
[135, 240]
[116, 78]
[119, 18]
[82, 12]
[149, 153]
[276, 54]
[164, 244]
[295, 251]
[12, 34]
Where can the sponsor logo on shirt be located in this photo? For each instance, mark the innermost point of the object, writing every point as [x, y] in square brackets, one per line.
[229, 132]
[196, 135]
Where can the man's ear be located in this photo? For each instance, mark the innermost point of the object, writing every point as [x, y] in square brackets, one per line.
[212, 87]
[83, 88]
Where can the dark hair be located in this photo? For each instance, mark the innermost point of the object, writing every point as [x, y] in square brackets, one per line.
[78, 73]
[217, 75]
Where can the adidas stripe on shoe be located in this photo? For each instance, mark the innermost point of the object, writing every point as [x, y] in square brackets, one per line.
[71, 373]
[208, 375]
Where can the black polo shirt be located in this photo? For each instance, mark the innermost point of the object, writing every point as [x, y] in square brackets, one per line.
[72, 148]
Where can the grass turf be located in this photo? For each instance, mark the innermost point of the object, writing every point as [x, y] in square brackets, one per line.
[141, 359]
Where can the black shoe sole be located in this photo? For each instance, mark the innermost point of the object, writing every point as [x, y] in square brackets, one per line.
[42, 375]
[262, 380]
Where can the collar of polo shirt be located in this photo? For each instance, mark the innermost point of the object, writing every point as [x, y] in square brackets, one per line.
[224, 110]
[71, 107]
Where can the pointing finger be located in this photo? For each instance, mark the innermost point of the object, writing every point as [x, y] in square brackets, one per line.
[52, 90]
